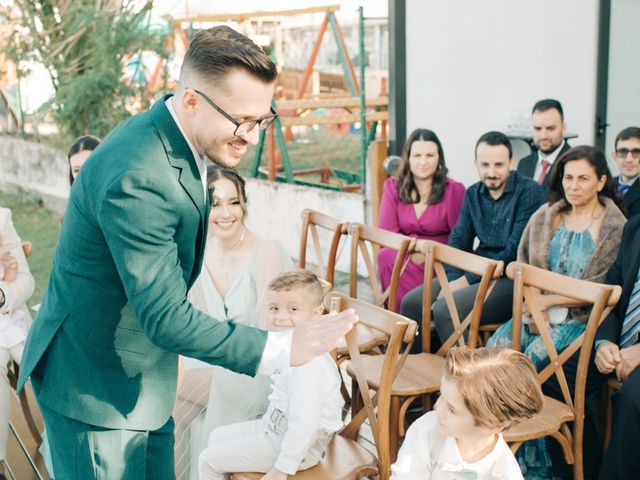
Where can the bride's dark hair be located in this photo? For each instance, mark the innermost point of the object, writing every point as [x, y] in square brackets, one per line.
[215, 172]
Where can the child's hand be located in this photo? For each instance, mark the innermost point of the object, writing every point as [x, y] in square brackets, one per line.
[10, 267]
[275, 474]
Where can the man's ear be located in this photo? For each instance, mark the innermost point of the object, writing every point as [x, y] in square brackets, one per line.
[319, 310]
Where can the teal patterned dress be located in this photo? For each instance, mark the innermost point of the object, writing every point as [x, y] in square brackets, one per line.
[569, 254]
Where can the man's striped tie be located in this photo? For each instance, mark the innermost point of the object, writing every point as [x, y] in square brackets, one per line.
[631, 324]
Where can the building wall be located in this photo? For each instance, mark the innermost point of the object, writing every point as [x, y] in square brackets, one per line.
[624, 69]
[472, 66]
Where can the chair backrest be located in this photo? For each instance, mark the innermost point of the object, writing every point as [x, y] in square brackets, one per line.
[311, 220]
[437, 255]
[376, 409]
[601, 298]
[367, 240]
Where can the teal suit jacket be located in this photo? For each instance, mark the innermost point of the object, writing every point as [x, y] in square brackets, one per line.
[104, 346]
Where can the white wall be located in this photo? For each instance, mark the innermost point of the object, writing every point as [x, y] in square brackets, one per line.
[624, 70]
[470, 64]
[275, 213]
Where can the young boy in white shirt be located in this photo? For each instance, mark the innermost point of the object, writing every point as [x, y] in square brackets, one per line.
[483, 392]
[305, 404]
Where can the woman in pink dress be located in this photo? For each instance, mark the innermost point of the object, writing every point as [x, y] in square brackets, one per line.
[420, 201]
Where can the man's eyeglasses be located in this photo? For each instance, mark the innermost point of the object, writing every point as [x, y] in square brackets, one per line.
[623, 152]
[242, 128]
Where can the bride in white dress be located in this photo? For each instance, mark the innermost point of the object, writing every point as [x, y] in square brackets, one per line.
[238, 266]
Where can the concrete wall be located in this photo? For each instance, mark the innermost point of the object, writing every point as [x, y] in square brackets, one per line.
[275, 213]
[472, 65]
[274, 208]
[35, 168]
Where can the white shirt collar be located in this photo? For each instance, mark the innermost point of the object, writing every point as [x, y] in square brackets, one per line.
[627, 183]
[552, 156]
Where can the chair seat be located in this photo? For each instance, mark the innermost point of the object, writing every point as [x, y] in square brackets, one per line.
[344, 460]
[419, 375]
[367, 339]
[554, 413]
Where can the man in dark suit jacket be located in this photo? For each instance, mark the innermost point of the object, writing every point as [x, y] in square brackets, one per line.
[627, 157]
[103, 351]
[547, 118]
[618, 350]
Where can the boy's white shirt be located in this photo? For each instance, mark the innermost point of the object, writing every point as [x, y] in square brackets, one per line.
[309, 396]
[426, 454]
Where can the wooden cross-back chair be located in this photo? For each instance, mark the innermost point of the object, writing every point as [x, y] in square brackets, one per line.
[367, 240]
[422, 372]
[556, 415]
[345, 458]
[311, 221]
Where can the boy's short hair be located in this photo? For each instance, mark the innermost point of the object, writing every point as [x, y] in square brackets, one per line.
[499, 385]
[294, 279]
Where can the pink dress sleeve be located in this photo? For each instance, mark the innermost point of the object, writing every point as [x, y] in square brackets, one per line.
[388, 213]
[454, 204]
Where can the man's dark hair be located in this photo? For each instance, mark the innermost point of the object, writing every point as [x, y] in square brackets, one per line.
[548, 104]
[626, 134]
[494, 139]
[215, 52]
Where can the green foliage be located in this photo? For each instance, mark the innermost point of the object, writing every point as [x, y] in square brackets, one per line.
[85, 46]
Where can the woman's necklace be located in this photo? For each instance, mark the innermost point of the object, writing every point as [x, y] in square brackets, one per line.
[244, 231]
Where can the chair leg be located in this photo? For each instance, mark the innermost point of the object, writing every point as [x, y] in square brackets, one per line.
[28, 416]
[394, 426]
[608, 411]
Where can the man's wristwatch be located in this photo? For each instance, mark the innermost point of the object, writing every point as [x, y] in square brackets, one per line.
[2, 298]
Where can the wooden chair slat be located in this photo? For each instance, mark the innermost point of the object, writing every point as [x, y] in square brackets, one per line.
[366, 240]
[554, 418]
[311, 220]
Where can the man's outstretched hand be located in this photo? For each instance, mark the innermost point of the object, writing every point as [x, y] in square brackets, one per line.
[319, 336]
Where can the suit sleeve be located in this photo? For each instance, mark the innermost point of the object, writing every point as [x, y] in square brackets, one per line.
[139, 220]
[462, 236]
[610, 328]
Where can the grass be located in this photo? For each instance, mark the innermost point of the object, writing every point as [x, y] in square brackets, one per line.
[42, 228]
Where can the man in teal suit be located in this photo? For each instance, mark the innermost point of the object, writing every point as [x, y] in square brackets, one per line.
[102, 352]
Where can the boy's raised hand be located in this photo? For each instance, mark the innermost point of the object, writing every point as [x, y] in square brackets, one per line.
[321, 335]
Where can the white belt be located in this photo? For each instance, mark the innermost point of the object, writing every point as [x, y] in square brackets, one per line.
[277, 420]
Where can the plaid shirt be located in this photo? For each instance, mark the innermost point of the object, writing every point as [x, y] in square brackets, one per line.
[497, 223]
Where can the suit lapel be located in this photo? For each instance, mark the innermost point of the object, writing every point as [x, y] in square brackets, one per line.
[633, 194]
[181, 158]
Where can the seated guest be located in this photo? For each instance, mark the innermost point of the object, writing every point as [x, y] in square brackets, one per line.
[495, 211]
[238, 266]
[618, 352]
[305, 404]
[419, 202]
[80, 150]
[576, 234]
[549, 127]
[16, 287]
[627, 157]
[462, 437]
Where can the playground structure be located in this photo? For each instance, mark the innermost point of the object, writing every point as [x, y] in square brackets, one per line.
[323, 102]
